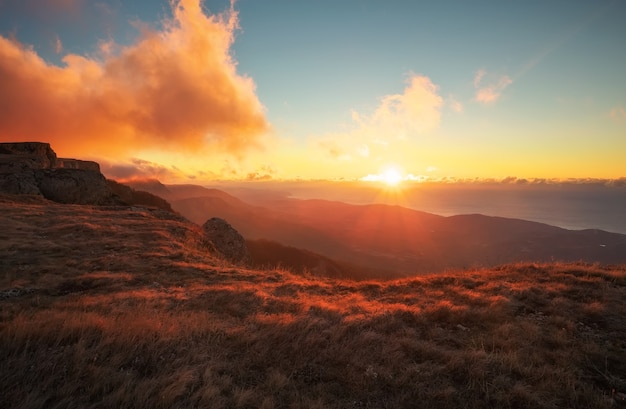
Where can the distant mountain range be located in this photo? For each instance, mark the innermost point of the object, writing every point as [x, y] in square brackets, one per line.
[383, 240]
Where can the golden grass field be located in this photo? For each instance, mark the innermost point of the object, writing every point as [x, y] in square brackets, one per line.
[122, 307]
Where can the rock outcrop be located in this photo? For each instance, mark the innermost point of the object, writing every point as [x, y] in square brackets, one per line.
[227, 241]
[32, 168]
[74, 186]
[31, 155]
[66, 163]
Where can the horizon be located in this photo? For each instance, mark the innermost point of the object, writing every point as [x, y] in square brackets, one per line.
[572, 205]
[395, 94]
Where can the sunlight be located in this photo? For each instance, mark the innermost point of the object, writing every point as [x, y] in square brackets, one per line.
[390, 176]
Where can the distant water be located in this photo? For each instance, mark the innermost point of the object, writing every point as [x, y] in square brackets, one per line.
[571, 207]
[574, 206]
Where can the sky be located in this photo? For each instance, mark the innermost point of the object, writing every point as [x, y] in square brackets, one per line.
[328, 90]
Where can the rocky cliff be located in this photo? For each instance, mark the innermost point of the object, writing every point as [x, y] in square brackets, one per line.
[33, 168]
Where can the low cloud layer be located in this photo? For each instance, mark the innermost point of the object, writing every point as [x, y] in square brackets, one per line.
[139, 169]
[175, 88]
[490, 92]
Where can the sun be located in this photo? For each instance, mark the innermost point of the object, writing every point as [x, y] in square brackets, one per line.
[391, 177]
[389, 184]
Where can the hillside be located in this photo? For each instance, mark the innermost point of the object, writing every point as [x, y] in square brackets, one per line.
[123, 307]
[387, 238]
[267, 254]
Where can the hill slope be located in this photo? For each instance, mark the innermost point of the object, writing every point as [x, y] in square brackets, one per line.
[122, 307]
[393, 238]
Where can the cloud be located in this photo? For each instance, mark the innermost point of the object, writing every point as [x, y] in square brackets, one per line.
[173, 89]
[478, 77]
[265, 172]
[335, 147]
[454, 104]
[58, 45]
[417, 110]
[618, 114]
[398, 117]
[491, 92]
[139, 169]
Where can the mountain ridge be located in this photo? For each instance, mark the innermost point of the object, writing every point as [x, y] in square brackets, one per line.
[407, 241]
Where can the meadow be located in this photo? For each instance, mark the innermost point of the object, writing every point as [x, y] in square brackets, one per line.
[125, 307]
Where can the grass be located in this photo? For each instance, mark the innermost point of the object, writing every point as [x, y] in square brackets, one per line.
[124, 308]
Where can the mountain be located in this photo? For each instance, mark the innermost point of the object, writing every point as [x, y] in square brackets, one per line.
[119, 305]
[127, 307]
[387, 238]
[268, 254]
[128, 195]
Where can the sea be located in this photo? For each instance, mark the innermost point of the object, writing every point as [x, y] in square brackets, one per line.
[569, 207]
[577, 205]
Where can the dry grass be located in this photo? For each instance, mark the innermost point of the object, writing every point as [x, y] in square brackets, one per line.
[122, 308]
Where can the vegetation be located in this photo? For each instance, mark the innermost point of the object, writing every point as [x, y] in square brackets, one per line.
[124, 308]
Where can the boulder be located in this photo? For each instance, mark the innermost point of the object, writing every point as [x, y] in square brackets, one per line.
[227, 241]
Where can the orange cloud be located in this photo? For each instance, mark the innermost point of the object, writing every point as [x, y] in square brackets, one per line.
[491, 92]
[140, 169]
[174, 89]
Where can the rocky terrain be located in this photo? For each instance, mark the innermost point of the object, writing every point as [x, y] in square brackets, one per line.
[33, 168]
[132, 307]
[128, 306]
[227, 241]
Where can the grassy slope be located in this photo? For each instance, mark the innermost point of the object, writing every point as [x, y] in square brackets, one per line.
[122, 307]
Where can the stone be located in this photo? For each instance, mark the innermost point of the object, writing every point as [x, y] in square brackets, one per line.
[32, 168]
[30, 155]
[74, 186]
[67, 163]
[227, 241]
[19, 182]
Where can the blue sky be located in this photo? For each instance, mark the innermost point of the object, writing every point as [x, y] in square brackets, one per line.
[350, 88]
[358, 51]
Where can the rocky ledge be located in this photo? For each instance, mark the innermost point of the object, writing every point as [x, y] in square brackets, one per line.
[32, 168]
